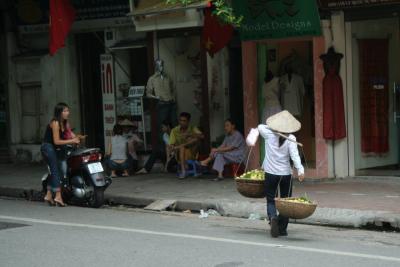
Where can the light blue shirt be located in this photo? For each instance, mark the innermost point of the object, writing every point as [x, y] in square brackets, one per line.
[166, 138]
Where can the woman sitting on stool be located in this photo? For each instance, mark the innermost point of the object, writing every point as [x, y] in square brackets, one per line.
[232, 150]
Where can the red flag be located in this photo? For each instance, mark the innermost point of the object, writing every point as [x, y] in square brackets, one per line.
[215, 35]
[62, 15]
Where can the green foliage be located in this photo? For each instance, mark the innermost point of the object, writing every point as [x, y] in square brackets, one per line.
[223, 10]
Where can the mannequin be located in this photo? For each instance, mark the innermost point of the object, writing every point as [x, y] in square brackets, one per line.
[159, 87]
[292, 92]
[334, 123]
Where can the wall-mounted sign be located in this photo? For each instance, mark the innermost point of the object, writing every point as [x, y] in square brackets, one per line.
[266, 19]
[136, 91]
[108, 92]
[341, 4]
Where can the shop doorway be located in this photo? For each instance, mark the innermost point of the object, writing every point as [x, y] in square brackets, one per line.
[376, 80]
[89, 49]
[4, 153]
[291, 62]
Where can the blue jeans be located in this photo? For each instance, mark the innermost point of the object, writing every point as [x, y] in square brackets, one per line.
[271, 190]
[50, 157]
[114, 166]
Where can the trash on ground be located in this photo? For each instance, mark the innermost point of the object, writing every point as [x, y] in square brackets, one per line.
[203, 214]
[254, 216]
[212, 212]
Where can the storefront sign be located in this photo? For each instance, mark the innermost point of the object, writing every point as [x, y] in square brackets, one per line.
[268, 19]
[108, 92]
[340, 4]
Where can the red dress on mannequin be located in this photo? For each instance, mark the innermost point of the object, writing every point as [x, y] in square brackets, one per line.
[334, 123]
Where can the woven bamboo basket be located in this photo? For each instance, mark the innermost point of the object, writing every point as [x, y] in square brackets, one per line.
[250, 188]
[294, 210]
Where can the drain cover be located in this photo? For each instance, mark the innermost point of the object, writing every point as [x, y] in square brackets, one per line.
[8, 225]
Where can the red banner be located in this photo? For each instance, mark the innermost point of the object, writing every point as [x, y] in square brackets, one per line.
[62, 15]
[215, 35]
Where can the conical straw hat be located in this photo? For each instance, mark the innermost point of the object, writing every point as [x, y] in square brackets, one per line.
[283, 122]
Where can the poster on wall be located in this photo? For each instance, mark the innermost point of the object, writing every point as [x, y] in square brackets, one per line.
[108, 93]
[277, 19]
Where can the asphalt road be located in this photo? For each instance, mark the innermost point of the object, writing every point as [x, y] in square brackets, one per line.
[33, 234]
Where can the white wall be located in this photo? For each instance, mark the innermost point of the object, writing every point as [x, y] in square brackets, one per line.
[180, 70]
[218, 85]
[338, 151]
[58, 76]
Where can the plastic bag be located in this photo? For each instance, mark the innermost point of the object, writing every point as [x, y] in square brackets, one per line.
[252, 137]
[203, 214]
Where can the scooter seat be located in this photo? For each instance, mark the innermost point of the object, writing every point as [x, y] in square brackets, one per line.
[83, 151]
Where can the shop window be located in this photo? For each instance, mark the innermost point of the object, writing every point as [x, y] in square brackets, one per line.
[30, 113]
[288, 67]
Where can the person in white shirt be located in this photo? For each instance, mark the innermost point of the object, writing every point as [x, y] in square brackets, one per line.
[134, 142]
[278, 153]
[117, 150]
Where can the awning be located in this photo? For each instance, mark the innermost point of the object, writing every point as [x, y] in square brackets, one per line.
[129, 44]
[342, 4]
[157, 7]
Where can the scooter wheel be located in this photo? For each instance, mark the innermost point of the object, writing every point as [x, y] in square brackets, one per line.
[97, 199]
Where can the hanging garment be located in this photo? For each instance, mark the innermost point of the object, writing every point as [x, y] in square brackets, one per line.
[272, 96]
[334, 123]
[292, 93]
[374, 95]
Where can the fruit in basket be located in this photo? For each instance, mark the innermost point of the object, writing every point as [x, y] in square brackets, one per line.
[304, 199]
[253, 175]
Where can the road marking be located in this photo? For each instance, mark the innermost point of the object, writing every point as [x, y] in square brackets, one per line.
[206, 238]
[392, 196]
[358, 194]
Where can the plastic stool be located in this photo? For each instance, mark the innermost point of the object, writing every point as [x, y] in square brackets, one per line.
[233, 168]
[192, 168]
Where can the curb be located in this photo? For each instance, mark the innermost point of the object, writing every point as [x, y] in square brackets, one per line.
[378, 220]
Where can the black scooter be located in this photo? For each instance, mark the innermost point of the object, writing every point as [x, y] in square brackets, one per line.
[86, 180]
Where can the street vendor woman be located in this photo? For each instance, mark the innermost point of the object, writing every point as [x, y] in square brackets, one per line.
[280, 147]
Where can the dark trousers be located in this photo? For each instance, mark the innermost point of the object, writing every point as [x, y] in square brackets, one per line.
[165, 111]
[271, 191]
[157, 153]
[50, 157]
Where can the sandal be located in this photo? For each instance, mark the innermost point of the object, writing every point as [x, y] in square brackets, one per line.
[59, 203]
[49, 201]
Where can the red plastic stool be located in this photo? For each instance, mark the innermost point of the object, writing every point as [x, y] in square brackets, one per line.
[233, 168]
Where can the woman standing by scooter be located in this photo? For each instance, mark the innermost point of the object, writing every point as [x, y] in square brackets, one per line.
[53, 138]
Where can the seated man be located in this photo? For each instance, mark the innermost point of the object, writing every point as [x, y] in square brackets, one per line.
[185, 140]
[232, 150]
